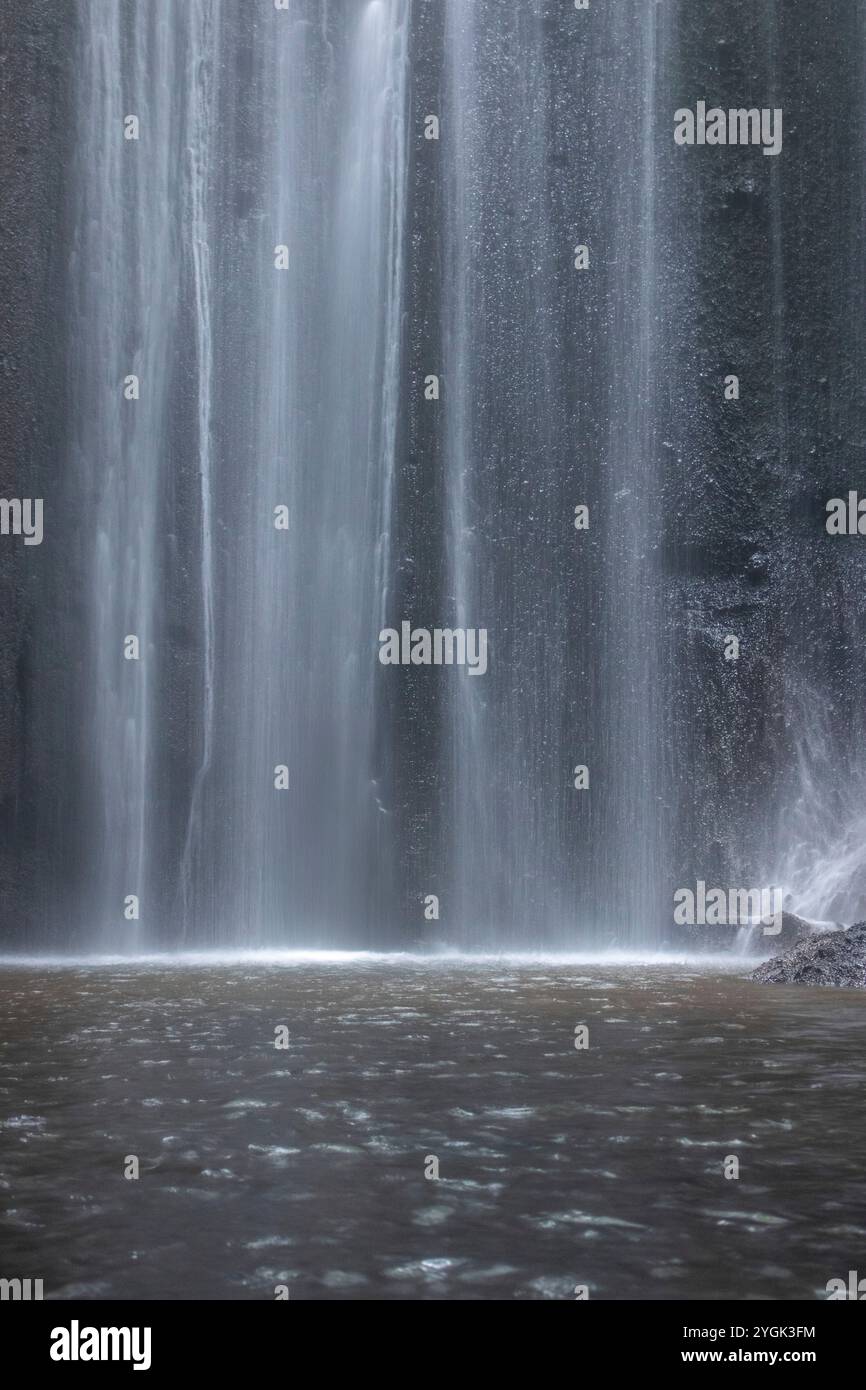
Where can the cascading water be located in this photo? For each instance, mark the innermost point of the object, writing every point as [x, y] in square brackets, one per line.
[246, 258]
[302, 607]
[635, 793]
[280, 258]
[550, 403]
[124, 299]
[242, 256]
[199, 81]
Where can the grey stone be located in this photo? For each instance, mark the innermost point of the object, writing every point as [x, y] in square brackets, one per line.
[834, 958]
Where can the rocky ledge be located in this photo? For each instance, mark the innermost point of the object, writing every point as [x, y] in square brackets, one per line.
[836, 958]
[747, 940]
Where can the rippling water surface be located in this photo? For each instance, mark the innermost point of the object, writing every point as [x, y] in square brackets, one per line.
[305, 1166]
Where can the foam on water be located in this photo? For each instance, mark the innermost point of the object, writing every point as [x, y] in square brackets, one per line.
[171, 960]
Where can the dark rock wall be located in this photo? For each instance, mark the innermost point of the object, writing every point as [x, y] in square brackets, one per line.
[773, 248]
[34, 132]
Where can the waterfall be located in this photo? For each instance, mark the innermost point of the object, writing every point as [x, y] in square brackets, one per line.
[254, 256]
[549, 403]
[313, 429]
[199, 81]
[241, 254]
[124, 288]
[282, 259]
[635, 791]
[247, 259]
[505, 451]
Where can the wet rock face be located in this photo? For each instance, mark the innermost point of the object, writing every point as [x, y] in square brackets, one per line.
[750, 941]
[35, 135]
[835, 958]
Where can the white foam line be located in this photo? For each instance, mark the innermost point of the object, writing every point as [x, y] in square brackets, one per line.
[219, 958]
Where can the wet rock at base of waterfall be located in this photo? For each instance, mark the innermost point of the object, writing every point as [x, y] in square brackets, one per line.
[793, 929]
[835, 958]
[743, 940]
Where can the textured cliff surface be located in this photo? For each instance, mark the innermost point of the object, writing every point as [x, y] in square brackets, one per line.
[34, 125]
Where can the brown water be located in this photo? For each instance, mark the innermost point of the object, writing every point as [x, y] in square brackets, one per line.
[306, 1166]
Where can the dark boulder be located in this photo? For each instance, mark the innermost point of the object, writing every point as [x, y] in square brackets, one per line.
[835, 958]
[744, 940]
